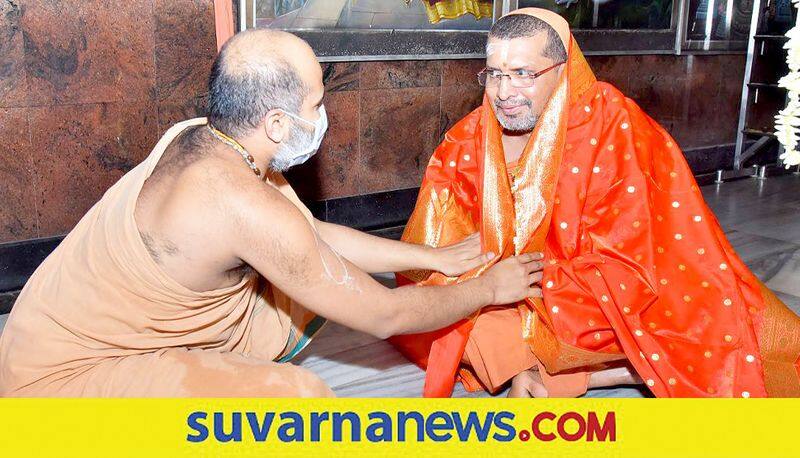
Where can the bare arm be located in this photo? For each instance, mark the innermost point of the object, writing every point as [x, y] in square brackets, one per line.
[376, 254]
[276, 240]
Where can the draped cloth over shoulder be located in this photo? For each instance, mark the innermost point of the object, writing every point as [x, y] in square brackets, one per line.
[100, 318]
[637, 269]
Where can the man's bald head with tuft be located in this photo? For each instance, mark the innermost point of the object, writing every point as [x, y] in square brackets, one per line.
[258, 71]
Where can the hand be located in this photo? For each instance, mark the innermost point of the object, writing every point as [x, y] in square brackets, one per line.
[454, 260]
[511, 279]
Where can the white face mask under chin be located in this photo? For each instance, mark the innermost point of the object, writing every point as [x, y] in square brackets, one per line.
[320, 127]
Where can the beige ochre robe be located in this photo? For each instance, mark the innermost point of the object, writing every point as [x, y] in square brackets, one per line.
[100, 318]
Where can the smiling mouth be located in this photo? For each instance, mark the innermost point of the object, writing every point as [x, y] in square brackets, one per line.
[511, 110]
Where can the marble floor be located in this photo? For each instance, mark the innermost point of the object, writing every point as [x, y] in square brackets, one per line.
[761, 219]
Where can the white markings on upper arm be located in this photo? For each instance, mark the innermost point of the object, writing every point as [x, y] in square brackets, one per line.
[345, 279]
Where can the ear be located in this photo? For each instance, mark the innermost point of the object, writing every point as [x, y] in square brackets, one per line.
[276, 125]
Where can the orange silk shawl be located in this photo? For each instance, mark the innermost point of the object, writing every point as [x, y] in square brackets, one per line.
[636, 265]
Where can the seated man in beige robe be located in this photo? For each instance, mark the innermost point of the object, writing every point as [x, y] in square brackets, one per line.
[200, 273]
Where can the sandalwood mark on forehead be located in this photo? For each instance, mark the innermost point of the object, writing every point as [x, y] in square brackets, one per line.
[499, 46]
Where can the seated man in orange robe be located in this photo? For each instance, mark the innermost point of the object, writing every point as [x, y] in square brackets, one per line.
[639, 283]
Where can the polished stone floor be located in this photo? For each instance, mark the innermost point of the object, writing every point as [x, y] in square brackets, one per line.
[762, 221]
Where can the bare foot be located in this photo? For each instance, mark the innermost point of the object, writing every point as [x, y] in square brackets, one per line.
[527, 384]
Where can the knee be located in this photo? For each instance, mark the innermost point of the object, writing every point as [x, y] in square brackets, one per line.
[214, 374]
[310, 385]
[286, 381]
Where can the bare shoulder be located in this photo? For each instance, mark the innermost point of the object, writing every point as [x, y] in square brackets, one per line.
[251, 202]
[268, 228]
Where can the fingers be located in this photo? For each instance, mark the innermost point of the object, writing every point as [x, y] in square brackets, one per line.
[530, 257]
[470, 247]
[471, 240]
[468, 241]
[534, 292]
[535, 266]
[473, 263]
[479, 260]
[525, 258]
[535, 278]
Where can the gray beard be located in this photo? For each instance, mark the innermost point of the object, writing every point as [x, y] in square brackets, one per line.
[523, 124]
[287, 150]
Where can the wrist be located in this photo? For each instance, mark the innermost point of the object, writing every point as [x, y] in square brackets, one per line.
[428, 258]
[485, 290]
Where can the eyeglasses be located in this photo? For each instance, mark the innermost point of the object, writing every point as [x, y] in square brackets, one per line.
[519, 78]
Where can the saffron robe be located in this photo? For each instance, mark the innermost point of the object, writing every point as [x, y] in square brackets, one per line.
[100, 318]
[637, 269]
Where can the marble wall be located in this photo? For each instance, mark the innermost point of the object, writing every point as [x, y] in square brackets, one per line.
[87, 86]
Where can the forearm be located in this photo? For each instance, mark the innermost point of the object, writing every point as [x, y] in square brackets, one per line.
[374, 254]
[427, 308]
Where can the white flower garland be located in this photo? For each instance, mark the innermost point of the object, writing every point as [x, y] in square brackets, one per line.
[787, 121]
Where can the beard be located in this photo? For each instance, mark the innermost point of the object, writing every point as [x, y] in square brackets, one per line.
[299, 138]
[521, 123]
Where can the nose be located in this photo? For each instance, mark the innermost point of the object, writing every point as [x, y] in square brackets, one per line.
[505, 90]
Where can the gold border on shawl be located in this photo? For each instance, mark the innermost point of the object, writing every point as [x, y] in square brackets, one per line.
[779, 344]
[581, 76]
[559, 356]
[427, 224]
[538, 174]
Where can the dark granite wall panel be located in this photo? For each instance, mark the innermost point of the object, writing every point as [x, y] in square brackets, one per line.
[86, 88]
[185, 46]
[696, 98]
[399, 130]
[79, 51]
[80, 151]
[17, 200]
[13, 76]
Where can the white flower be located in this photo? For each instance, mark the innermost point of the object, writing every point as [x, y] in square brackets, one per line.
[793, 57]
[791, 158]
[788, 136]
[787, 121]
[791, 82]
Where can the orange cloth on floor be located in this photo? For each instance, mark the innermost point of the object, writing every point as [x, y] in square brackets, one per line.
[637, 267]
[495, 355]
[100, 318]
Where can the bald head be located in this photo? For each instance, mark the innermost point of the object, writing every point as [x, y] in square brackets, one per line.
[258, 71]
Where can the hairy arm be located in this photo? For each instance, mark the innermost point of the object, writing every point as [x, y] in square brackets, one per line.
[274, 238]
[376, 254]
